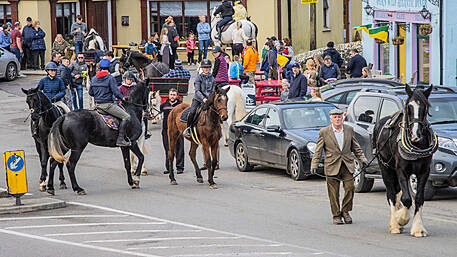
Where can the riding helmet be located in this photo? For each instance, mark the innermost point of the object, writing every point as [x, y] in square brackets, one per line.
[104, 64]
[51, 66]
[206, 63]
[217, 49]
[129, 75]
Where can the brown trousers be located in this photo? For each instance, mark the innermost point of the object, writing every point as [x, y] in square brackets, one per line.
[333, 187]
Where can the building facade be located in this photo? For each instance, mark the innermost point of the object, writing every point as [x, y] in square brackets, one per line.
[426, 55]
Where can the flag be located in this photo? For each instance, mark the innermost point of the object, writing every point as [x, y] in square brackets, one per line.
[364, 28]
[381, 33]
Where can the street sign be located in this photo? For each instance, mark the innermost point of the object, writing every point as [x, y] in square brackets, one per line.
[16, 178]
[309, 1]
[249, 96]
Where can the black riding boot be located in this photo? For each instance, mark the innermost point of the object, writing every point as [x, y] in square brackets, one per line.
[121, 138]
[219, 32]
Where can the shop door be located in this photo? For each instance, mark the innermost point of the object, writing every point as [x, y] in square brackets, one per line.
[402, 55]
[97, 13]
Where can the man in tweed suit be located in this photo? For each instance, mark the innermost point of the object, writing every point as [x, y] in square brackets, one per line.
[340, 146]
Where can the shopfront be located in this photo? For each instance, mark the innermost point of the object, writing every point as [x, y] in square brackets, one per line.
[412, 52]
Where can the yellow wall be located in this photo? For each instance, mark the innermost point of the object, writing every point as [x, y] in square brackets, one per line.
[131, 33]
[263, 14]
[38, 10]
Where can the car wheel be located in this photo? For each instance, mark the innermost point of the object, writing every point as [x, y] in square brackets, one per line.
[11, 72]
[241, 157]
[295, 166]
[429, 190]
[361, 183]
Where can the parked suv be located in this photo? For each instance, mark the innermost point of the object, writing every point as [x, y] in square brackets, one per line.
[369, 106]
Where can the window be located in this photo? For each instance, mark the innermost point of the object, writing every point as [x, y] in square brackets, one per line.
[326, 14]
[443, 110]
[350, 96]
[65, 17]
[389, 107]
[307, 117]
[185, 14]
[272, 118]
[335, 99]
[257, 117]
[5, 13]
[366, 109]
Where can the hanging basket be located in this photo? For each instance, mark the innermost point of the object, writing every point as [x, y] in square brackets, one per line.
[379, 41]
[425, 29]
[398, 40]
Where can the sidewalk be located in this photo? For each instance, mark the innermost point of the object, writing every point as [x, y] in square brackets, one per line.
[29, 204]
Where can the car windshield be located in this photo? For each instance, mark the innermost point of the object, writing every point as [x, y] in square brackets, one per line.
[443, 110]
[307, 117]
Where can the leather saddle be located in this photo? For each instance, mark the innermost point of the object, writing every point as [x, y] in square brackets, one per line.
[185, 114]
[110, 121]
[226, 26]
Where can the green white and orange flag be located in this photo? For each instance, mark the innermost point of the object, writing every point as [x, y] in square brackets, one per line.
[381, 33]
[364, 28]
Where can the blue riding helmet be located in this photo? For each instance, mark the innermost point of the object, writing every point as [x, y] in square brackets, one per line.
[51, 66]
[104, 64]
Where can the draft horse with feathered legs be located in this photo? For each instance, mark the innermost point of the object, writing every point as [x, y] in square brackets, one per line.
[406, 144]
[209, 133]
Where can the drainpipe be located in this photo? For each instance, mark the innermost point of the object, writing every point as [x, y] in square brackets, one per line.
[441, 45]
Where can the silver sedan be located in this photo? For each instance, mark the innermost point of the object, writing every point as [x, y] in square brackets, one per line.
[9, 65]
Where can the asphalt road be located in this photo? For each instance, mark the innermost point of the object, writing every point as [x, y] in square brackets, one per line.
[258, 213]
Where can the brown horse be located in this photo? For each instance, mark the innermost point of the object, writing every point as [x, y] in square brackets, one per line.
[209, 132]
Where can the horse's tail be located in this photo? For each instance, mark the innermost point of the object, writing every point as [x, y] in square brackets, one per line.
[56, 145]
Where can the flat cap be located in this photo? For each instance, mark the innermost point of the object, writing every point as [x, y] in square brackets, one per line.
[336, 112]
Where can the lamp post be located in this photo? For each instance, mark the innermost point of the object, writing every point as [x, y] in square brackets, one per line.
[425, 14]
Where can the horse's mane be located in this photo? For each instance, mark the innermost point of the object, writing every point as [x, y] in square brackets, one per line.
[136, 54]
[419, 95]
[136, 91]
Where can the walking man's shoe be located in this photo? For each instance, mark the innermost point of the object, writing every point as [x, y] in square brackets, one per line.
[337, 221]
[166, 172]
[180, 172]
[347, 218]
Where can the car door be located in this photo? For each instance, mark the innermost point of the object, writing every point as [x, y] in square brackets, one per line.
[3, 63]
[273, 141]
[252, 132]
[365, 111]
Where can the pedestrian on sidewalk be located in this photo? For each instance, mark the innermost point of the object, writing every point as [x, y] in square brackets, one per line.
[79, 32]
[204, 31]
[165, 50]
[60, 45]
[356, 64]
[27, 59]
[150, 48]
[38, 45]
[333, 53]
[329, 72]
[65, 75]
[5, 38]
[173, 38]
[16, 43]
[250, 60]
[272, 62]
[237, 70]
[285, 90]
[166, 107]
[239, 39]
[299, 83]
[366, 72]
[339, 143]
[77, 69]
[191, 45]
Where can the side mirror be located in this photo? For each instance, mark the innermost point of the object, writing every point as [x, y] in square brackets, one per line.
[273, 128]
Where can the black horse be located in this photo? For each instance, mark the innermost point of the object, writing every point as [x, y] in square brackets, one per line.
[43, 112]
[75, 130]
[406, 144]
[150, 68]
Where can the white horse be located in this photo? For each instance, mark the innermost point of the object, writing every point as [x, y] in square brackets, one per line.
[249, 28]
[94, 41]
[235, 108]
[154, 110]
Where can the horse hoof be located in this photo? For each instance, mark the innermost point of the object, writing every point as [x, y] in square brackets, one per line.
[51, 191]
[226, 145]
[419, 234]
[43, 188]
[82, 192]
[200, 180]
[135, 186]
[213, 186]
[395, 231]
[173, 182]
[144, 173]
[63, 186]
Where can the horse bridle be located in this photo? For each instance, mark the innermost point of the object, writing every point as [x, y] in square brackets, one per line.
[32, 110]
[127, 63]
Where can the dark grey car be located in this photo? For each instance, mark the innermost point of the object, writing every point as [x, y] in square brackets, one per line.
[369, 106]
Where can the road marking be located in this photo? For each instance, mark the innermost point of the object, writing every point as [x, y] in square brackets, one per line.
[62, 217]
[204, 246]
[203, 228]
[123, 231]
[162, 239]
[53, 240]
[87, 224]
[233, 254]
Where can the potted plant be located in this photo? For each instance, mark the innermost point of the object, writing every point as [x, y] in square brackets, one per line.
[425, 29]
[398, 40]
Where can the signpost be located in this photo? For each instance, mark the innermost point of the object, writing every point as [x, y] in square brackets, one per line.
[16, 178]
[309, 1]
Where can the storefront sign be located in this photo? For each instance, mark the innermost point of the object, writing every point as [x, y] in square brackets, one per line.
[400, 3]
[413, 17]
[309, 1]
